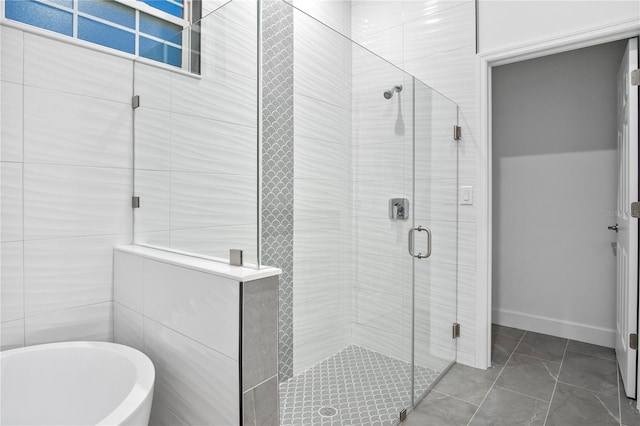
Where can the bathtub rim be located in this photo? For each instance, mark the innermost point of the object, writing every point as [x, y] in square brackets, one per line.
[143, 385]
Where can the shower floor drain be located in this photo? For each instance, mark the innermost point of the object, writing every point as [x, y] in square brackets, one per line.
[327, 411]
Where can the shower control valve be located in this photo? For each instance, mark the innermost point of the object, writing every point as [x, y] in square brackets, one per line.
[398, 209]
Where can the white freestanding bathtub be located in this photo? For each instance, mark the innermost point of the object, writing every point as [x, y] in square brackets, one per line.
[75, 383]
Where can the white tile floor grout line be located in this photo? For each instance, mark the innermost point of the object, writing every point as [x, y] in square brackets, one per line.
[522, 394]
[497, 377]
[582, 388]
[538, 358]
[555, 386]
[451, 396]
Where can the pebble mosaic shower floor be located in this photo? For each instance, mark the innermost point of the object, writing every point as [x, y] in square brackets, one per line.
[356, 386]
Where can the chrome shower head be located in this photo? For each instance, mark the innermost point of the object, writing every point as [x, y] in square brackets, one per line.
[389, 93]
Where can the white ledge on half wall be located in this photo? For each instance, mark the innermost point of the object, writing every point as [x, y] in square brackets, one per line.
[238, 273]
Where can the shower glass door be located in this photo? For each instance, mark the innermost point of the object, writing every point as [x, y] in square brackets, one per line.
[382, 112]
[435, 214]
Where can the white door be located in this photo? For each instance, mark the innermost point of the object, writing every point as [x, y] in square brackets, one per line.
[627, 227]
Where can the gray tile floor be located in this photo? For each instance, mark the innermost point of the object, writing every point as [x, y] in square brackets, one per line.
[536, 380]
[356, 386]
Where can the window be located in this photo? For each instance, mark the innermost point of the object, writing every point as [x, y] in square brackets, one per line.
[148, 28]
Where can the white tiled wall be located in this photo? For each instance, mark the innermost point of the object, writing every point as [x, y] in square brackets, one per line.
[196, 143]
[66, 165]
[187, 322]
[65, 273]
[66, 161]
[166, 303]
[322, 183]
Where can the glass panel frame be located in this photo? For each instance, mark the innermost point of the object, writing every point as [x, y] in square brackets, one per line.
[196, 150]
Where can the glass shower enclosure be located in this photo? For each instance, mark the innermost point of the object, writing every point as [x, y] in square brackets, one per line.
[374, 270]
[278, 135]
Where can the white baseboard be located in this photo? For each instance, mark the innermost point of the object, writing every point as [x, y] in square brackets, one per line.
[555, 327]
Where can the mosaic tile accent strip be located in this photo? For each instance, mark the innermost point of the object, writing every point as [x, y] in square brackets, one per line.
[277, 164]
[356, 386]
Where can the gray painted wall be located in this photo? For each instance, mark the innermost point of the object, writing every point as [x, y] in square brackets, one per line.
[554, 180]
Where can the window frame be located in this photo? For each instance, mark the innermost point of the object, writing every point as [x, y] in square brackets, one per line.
[138, 7]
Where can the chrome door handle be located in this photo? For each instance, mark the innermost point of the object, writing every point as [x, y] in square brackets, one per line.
[613, 228]
[420, 228]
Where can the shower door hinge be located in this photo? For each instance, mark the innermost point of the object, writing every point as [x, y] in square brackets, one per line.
[135, 101]
[633, 341]
[456, 330]
[457, 133]
[135, 202]
[635, 209]
[403, 415]
[635, 77]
